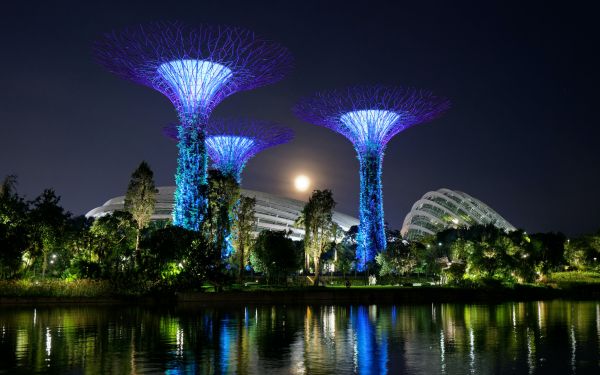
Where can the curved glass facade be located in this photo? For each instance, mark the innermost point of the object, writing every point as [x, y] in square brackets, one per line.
[272, 212]
[445, 208]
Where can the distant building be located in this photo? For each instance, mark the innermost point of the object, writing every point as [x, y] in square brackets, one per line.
[272, 212]
[445, 208]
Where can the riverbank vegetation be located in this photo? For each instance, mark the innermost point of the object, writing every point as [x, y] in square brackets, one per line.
[46, 251]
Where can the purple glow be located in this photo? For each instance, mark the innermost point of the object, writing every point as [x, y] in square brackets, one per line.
[369, 117]
[368, 126]
[195, 82]
[196, 68]
[230, 143]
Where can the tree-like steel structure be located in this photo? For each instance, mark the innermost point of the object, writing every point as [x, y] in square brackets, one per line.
[196, 68]
[231, 142]
[369, 116]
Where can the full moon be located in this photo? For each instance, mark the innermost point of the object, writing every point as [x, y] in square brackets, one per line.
[301, 183]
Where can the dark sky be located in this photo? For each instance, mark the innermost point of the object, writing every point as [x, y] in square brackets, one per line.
[522, 135]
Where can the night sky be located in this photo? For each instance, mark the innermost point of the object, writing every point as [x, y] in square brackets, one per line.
[522, 135]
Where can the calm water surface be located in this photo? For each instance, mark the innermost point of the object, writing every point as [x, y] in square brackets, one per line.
[557, 337]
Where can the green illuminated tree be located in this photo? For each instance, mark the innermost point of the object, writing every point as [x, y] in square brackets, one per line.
[14, 231]
[140, 199]
[48, 221]
[319, 228]
[114, 239]
[274, 253]
[223, 194]
[243, 225]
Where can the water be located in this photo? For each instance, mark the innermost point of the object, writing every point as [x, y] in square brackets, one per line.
[555, 337]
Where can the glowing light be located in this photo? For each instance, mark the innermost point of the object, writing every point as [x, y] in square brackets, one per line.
[190, 201]
[230, 153]
[368, 126]
[301, 183]
[196, 68]
[369, 117]
[48, 341]
[195, 82]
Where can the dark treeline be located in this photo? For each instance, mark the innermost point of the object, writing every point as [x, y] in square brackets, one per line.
[40, 240]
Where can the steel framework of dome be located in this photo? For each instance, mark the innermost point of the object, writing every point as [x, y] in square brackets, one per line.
[445, 208]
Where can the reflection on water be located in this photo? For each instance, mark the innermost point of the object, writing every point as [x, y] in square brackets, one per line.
[558, 337]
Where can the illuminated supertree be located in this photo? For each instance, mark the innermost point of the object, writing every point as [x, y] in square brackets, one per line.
[196, 68]
[230, 143]
[369, 117]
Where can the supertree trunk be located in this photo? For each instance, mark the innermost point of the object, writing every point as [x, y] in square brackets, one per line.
[371, 231]
[191, 178]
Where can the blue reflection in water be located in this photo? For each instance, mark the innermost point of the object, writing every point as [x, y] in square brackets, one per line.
[224, 345]
[446, 338]
[370, 359]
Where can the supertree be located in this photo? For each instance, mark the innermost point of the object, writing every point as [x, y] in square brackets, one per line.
[230, 143]
[369, 116]
[196, 68]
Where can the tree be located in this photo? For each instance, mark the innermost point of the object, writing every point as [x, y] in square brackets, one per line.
[140, 199]
[548, 251]
[223, 194]
[177, 256]
[273, 253]
[113, 238]
[14, 232]
[49, 223]
[584, 252]
[346, 251]
[243, 225]
[319, 228]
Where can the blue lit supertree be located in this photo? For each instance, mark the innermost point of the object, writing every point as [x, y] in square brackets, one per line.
[196, 68]
[230, 143]
[369, 117]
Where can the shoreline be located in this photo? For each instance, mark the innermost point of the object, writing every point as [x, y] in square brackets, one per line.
[324, 295]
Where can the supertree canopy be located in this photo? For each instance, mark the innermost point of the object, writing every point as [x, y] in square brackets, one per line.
[196, 68]
[230, 143]
[369, 117]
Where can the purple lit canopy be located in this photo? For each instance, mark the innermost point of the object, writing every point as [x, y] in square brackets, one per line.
[369, 116]
[230, 143]
[195, 67]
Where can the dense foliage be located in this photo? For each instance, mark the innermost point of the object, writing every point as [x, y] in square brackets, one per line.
[40, 243]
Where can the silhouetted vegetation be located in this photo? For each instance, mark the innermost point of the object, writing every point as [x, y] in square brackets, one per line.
[44, 249]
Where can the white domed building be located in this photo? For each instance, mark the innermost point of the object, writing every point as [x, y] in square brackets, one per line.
[272, 212]
[444, 208]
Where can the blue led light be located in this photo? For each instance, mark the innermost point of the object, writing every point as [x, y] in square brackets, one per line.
[190, 201]
[230, 153]
[195, 82]
[369, 116]
[369, 126]
[368, 130]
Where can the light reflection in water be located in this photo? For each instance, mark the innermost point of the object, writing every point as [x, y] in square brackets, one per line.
[471, 351]
[573, 343]
[442, 352]
[535, 338]
[48, 342]
[530, 350]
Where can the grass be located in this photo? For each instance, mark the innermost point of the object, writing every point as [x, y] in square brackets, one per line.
[574, 278]
[55, 288]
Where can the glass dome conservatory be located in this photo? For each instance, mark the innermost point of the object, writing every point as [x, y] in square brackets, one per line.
[445, 208]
